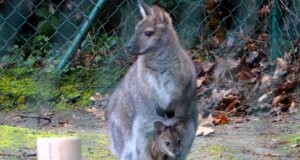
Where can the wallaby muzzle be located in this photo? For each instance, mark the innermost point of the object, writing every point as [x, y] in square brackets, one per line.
[131, 48]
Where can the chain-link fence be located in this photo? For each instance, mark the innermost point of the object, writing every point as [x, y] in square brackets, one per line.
[46, 57]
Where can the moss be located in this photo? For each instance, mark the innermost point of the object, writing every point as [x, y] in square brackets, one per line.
[70, 91]
[213, 152]
[17, 89]
[24, 86]
[216, 151]
[99, 149]
[13, 139]
[294, 138]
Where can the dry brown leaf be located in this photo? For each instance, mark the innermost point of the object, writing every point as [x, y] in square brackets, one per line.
[284, 104]
[207, 67]
[220, 119]
[201, 80]
[286, 86]
[293, 107]
[277, 100]
[245, 71]
[208, 121]
[91, 110]
[204, 131]
[227, 103]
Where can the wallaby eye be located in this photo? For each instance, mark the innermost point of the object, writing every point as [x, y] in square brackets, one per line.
[179, 141]
[149, 33]
[168, 143]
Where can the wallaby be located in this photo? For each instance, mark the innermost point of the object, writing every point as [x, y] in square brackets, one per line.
[161, 83]
[156, 140]
[166, 142]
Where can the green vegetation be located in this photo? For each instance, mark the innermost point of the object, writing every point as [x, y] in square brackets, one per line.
[213, 152]
[28, 75]
[24, 86]
[14, 139]
[294, 139]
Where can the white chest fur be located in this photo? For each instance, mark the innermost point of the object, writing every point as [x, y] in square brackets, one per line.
[164, 88]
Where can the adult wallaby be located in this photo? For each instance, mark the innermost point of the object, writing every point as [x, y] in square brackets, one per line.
[161, 83]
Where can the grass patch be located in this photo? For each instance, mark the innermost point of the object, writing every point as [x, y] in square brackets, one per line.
[13, 139]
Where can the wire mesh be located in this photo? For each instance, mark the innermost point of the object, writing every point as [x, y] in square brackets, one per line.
[34, 36]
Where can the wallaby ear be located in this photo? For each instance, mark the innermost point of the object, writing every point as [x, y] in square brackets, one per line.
[159, 126]
[160, 16]
[144, 9]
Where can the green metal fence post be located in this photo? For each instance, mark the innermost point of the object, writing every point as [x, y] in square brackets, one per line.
[79, 37]
[275, 31]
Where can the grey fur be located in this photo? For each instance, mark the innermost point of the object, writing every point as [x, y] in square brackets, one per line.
[162, 81]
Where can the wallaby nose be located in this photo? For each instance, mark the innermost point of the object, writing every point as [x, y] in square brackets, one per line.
[128, 48]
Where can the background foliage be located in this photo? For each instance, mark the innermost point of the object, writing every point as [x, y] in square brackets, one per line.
[34, 36]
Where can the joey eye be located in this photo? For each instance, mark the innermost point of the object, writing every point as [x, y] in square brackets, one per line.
[168, 143]
[179, 141]
[149, 33]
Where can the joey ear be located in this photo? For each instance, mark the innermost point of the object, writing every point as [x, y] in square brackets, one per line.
[144, 9]
[159, 126]
[160, 15]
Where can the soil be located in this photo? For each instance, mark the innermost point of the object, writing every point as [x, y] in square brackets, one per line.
[258, 138]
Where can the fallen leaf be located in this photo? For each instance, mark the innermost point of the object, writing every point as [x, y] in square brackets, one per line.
[277, 100]
[91, 110]
[293, 107]
[208, 121]
[286, 86]
[207, 67]
[284, 104]
[245, 71]
[228, 103]
[201, 80]
[220, 119]
[204, 131]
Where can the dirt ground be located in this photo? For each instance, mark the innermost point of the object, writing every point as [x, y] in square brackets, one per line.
[258, 138]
